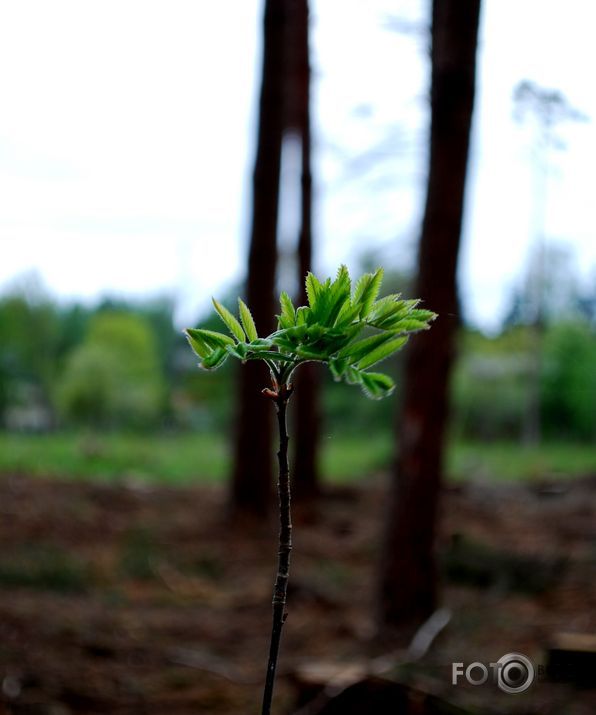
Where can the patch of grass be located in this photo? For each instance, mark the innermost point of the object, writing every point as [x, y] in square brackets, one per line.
[162, 458]
[510, 461]
[204, 457]
[347, 458]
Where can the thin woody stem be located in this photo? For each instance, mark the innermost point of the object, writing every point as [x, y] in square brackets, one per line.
[285, 545]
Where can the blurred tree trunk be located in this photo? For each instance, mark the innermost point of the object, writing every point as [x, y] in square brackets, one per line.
[306, 403]
[408, 584]
[253, 475]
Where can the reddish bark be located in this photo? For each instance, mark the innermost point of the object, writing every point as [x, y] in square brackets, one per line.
[251, 488]
[408, 591]
[306, 401]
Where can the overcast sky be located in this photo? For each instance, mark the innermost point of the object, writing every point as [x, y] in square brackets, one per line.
[126, 141]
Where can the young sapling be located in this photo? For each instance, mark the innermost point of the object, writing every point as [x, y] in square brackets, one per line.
[328, 330]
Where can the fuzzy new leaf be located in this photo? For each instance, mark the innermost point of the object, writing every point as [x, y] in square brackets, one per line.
[358, 350]
[210, 338]
[425, 315]
[238, 350]
[367, 290]
[339, 295]
[377, 385]
[302, 315]
[215, 359]
[232, 324]
[313, 290]
[408, 325]
[382, 352]
[325, 330]
[247, 321]
[287, 319]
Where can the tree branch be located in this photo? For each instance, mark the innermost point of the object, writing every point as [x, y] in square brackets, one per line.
[285, 545]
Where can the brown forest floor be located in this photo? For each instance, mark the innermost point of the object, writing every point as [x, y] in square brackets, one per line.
[136, 599]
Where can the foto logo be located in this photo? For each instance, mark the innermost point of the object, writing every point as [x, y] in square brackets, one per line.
[512, 673]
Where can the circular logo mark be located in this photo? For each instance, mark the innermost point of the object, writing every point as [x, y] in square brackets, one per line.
[515, 673]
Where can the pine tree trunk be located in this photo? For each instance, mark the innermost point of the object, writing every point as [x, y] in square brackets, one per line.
[408, 590]
[306, 409]
[251, 490]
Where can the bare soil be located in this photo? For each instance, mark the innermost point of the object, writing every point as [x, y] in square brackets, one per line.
[143, 599]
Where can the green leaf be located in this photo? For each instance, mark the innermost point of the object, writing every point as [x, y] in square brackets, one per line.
[313, 289]
[285, 346]
[209, 338]
[315, 332]
[260, 344]
[215, 360]
[360, 287]
[406, 325]
[345, 336]
[385, 314]
[306, 353]
[377, 385]
[342, 280]
[339, 295]
[425, 315]
[287, 319]
[333, 344]
[353, 376]
[338, 367]
[356, 351]
[302, 315]
[382, 352]
[319, 312]
[238, 350]
[298, 332]
[384, 307]
[348, 314]
[289, 338]
[196, 342]
[367, 290]
[233, 325]
[247, 321]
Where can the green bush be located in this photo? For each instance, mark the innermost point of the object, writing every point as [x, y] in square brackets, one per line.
[569, 381]
[489, 385]
[113, 378]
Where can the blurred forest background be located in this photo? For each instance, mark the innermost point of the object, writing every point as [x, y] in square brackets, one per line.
[452, 522]
[120, 371]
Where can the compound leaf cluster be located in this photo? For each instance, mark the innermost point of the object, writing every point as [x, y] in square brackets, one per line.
[328, 330]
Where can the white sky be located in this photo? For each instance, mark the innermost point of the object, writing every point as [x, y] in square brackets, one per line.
[127, 135]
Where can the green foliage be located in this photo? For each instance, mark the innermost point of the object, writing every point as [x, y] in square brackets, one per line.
[569, 381]
[490, 387]
[247, 321]
[326, 330]
[29, 346]
[113, 377]
[38, 337]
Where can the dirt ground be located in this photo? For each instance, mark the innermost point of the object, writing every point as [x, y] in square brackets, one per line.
[140, 599]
